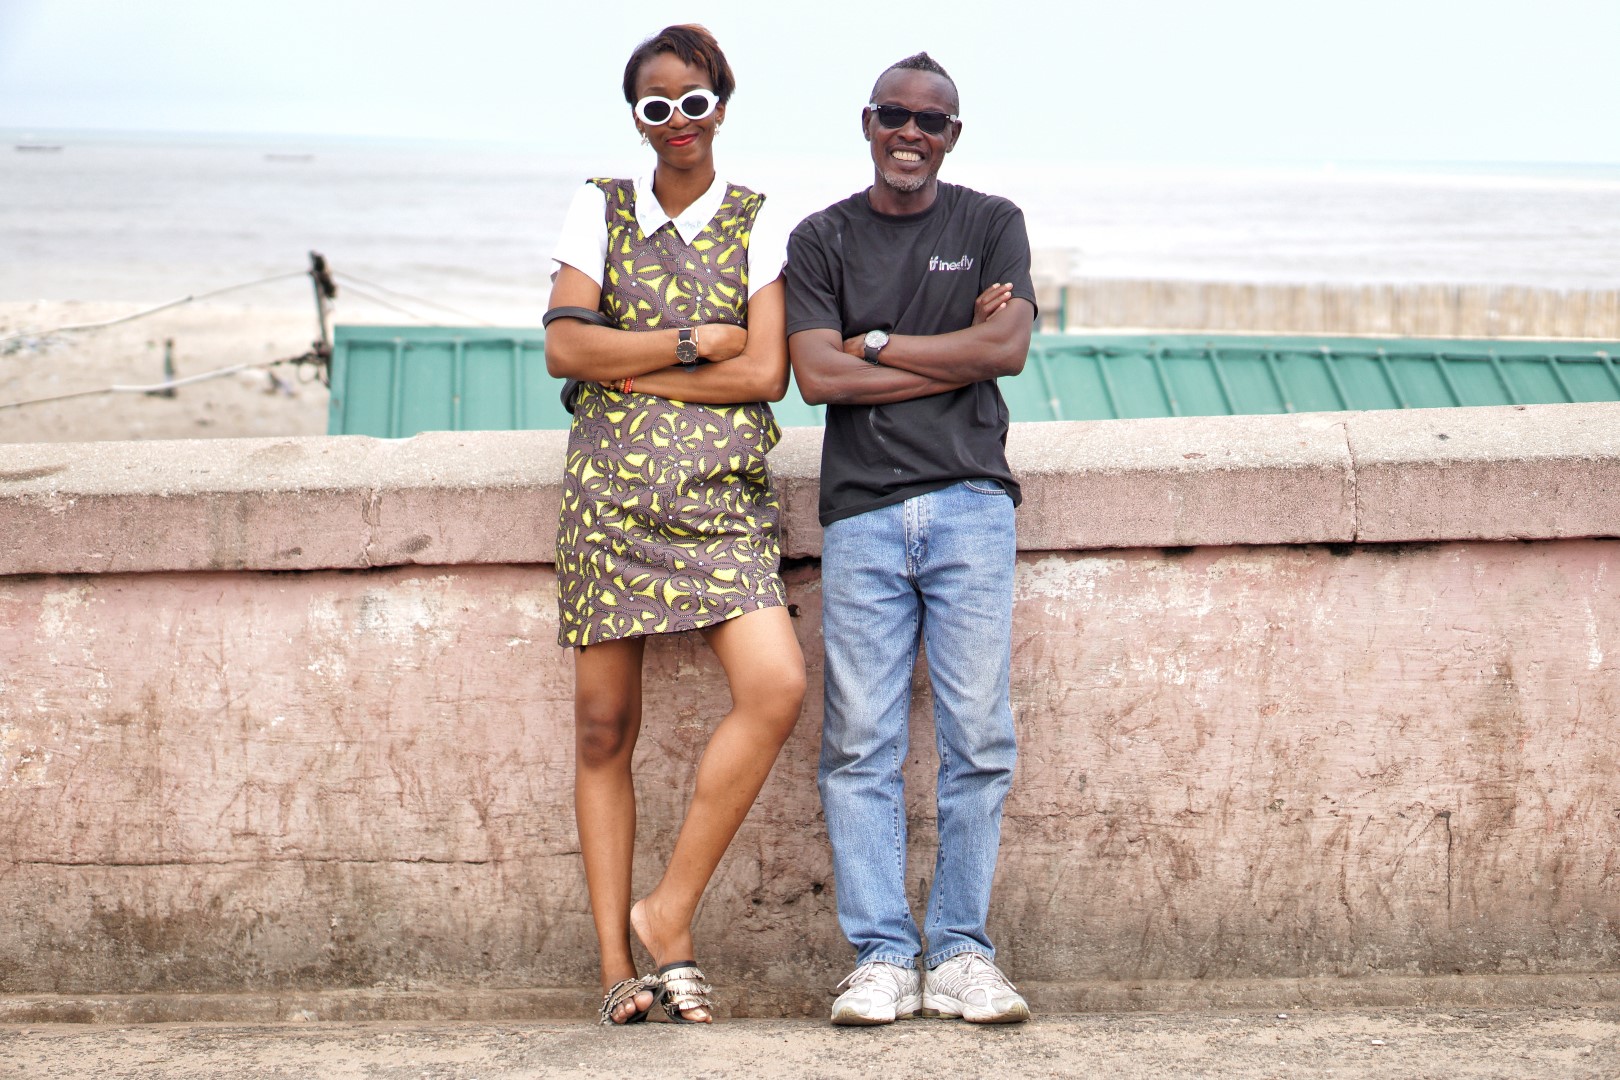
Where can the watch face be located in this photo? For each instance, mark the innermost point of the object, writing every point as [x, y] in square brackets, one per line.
[872, 344]
[686, 350]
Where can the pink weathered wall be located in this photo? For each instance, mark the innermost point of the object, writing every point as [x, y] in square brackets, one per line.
[284, 729]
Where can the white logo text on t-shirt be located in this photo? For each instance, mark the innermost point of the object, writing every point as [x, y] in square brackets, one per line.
[937, 263]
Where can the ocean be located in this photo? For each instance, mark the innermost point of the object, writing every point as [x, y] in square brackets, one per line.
[150, 219]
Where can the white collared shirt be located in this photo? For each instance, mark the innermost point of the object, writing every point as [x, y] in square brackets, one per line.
[583, 243]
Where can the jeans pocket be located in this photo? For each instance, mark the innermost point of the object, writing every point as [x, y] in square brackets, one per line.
[985, 486]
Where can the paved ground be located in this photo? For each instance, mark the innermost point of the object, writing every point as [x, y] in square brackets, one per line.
[1454, 1044]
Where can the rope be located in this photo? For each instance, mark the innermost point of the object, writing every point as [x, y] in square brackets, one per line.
[407, 296]
[362, 294]
[157, 388]
[172, 384]
[154, 310]
[251, 284]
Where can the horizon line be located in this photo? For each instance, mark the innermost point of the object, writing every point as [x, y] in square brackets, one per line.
[13, 132]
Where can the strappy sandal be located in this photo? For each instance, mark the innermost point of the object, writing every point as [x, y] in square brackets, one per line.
[682, 988]
[625, 990]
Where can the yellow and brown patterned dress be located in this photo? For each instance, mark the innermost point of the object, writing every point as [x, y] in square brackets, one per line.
[668, 518]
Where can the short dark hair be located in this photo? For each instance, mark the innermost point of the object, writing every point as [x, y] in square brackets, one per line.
[694, 45]
[918, 62]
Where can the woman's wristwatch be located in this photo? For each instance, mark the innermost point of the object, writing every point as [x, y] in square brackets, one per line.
[686, 350]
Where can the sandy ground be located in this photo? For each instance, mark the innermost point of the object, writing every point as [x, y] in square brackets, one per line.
[1568, 1044]
[206, 336]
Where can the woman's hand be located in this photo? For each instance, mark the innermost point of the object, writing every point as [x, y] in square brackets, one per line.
[991, 301]
[721, 341]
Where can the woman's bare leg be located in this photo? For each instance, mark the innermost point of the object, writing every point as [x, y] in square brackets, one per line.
[607, 719]
[762, 660]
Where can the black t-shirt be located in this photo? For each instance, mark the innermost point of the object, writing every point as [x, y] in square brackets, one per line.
[852, 269]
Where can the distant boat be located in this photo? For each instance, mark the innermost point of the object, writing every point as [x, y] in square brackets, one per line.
[40, 148]
[289, 157]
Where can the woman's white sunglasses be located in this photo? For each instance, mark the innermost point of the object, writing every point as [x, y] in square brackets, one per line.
[653, 110]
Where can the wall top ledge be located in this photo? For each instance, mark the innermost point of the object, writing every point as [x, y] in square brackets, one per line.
[445, 498]
[188, 467]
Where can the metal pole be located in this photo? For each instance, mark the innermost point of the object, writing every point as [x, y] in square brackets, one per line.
[168, 370]
[325, 289]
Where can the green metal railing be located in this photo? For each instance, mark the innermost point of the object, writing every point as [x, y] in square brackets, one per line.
[1098, 377]
[396, 381]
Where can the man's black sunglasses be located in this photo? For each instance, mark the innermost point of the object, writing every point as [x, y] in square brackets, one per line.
[894, 117]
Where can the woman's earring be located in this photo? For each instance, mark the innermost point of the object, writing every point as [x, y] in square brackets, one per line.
[644, 141]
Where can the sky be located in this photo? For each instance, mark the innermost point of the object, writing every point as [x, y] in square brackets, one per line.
[1084, 81]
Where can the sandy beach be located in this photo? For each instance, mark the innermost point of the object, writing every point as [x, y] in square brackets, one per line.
[459, 236]
[206, 336]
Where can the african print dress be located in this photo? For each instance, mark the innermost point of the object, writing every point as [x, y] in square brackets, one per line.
[668, 518]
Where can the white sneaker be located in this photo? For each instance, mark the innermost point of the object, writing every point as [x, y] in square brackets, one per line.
[970, 986]
[878, 993]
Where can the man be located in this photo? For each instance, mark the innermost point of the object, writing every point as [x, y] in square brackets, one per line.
[905, 302]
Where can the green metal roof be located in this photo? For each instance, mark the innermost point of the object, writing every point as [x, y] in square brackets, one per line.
[396, 381]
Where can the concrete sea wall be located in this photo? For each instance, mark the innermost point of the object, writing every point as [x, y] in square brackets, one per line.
[1408, 310]
[1312, 709]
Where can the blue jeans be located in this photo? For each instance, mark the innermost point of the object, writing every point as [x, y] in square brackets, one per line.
[937, 568]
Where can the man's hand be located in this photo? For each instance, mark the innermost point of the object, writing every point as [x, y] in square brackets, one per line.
[991, 301]
[996, 344]
[825, 368]
[720, 341]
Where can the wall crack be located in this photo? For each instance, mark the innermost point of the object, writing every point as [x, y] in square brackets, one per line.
[1353, 480]
[371, 514]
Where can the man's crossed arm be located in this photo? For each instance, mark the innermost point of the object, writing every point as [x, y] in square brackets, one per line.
[831, 370]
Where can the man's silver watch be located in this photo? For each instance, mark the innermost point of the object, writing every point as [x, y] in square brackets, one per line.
[875, 340]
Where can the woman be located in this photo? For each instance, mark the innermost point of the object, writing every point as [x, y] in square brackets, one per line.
[668, 520]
